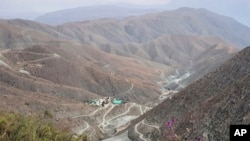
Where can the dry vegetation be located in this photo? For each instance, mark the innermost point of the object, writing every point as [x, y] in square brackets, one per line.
[207, 107]
[61, 67]
[17, 127]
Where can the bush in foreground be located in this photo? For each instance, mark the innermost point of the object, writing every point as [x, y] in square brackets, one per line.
[17, 127]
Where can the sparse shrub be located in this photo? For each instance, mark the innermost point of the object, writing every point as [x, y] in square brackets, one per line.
[27, 103]
[170, 126]
[48, 114]
[198, 139]
[3, 124]
[171, 136]
[17, 127]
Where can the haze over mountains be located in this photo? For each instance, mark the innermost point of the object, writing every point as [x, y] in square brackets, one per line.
[234, 9]
[135, 59]
[148, 27]
[91, 13]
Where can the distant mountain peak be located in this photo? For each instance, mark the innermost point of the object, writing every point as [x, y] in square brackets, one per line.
[91, 13]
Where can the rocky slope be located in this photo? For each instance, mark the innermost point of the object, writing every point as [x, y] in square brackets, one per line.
[95, 72]
[61, 67]
[204, 109]
[60, 80]
[148, 27]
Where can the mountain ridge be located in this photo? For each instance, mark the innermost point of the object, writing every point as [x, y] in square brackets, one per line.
[207, 107]
[91, 13]
[150, 26]
[63, 67]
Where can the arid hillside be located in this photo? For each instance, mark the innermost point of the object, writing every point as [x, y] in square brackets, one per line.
[140, 60]
[61, 80]
[100, 64]
[205, 108]
[143, 29]
[96, 72]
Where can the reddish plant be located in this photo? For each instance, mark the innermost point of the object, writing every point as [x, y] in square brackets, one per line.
[170, 125]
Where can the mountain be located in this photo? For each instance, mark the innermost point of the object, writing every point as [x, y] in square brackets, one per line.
[136, 59]
[143, 29]
[236, 9]
[183, 21]
[205, 108]
[62, 79]
[163, 55]
[91, 13]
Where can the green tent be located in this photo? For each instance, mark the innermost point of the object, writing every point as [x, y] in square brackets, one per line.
[117, 101]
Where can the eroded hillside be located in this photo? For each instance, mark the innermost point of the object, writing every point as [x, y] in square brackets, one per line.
[204, 109]
[60, 68]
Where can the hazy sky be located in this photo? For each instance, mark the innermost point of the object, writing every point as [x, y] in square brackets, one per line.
[52, 5]
[29, 9]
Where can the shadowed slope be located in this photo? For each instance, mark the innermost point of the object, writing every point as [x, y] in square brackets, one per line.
[207, 107]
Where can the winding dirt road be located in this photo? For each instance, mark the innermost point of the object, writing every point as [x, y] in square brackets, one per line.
[140, 134]
[122, 114]
[102, 124]
[127, 91]
[86, 128]
[136, 127]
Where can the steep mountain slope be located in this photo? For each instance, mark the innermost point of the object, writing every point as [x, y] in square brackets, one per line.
[230, 10]
[165, 52]
[91, 13]
[206, 108]
[61, 67]
[135, 30]
[85, 68]
[24, 33]
[148, 27]
[157, 59]
[61, 80]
